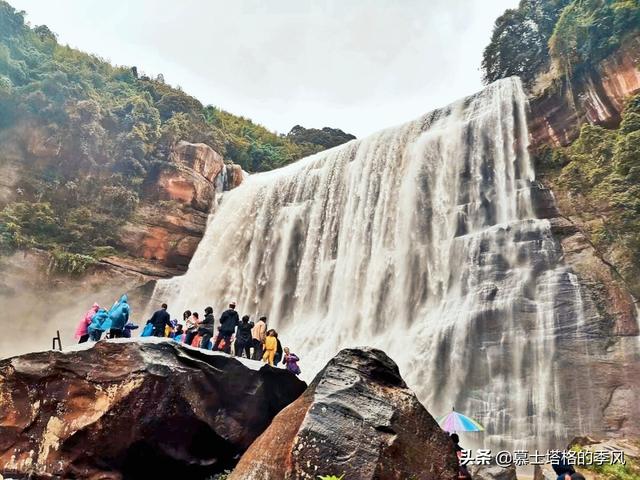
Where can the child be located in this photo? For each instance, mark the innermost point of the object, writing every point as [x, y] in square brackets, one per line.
[291, 360]
[126, 332]
[270, 347]
[179, 334]
[170, 330]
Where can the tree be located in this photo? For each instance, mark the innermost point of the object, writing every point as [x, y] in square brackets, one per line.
[519, 41]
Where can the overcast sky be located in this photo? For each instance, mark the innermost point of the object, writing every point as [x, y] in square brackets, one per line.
[360, 65]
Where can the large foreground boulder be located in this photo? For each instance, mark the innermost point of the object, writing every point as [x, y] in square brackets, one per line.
[492, 472]
[356, 419]
[133, 409]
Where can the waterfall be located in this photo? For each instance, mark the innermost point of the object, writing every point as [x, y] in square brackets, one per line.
[420, 240]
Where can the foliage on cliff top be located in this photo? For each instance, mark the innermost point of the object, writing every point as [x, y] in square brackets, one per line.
[601, 172]
[630, 470]
[87, 135]
[519, 42]
[123, 120]
[326, 137]
[574, 34]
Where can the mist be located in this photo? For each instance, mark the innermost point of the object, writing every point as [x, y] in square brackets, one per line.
[37, 304]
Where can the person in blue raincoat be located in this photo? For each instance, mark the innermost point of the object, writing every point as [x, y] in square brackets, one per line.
[119, 316]
[95, 328]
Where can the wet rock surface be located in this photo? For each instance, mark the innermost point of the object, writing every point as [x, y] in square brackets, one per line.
[134, 410]
[358, 419]
[492, 472]
[192, 180]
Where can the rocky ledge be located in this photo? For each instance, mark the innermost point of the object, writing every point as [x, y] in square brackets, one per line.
[126, 409]
[134, 409]
[358, 419]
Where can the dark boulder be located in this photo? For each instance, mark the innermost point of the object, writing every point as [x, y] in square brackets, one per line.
[492, 472]
[134, 410]
[358, 419]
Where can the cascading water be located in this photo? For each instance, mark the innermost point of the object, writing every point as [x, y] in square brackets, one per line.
[420, 240]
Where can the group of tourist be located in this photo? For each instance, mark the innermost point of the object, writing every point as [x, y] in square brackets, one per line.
[239, 337]
[98, 320]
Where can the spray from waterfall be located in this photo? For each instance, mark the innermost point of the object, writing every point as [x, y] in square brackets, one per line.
[420, 240]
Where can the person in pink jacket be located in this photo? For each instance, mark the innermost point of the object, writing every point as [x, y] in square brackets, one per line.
[81, 331]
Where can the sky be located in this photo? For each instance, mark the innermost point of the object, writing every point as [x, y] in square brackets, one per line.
[358, 65]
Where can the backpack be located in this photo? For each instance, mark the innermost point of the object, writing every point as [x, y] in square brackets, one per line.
[147, 331]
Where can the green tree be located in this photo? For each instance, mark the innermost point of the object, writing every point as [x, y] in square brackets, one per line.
[519, 40]
[575, 34]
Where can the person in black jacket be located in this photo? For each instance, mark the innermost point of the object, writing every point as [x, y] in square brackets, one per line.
[278, 356]
[244, 341]
[562, 469]
[206, 328]
[160, 319]
[229, 320]
[463, 471]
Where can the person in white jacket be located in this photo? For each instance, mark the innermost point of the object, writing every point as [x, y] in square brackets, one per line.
[258, 334]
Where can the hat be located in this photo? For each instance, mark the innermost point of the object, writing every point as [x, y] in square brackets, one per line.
[232, 304]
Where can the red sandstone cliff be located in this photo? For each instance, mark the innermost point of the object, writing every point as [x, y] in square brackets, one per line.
[170, 222]
[559, 108]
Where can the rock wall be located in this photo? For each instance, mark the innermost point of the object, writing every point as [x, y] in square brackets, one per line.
[612, 364]
[170, 222]
[560, 108]
[159, 242]
[605, 378]
[599, 279]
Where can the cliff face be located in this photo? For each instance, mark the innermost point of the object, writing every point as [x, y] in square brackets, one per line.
[170, 219]
[597, 97]
[612, 365]
[557, 113]
[170, 222]
[604, 380]
[157, 242]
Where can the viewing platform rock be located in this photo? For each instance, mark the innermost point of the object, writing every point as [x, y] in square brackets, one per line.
[134, 408]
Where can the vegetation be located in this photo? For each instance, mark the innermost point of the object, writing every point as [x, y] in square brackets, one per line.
[589, 30]
[88, 135]
[519, 43]
[601, 172]
[630, 470]
[71, 263]
[327, 137]
[221, 476]
[572, 33]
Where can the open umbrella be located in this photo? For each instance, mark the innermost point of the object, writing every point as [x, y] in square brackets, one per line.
[457, 422]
